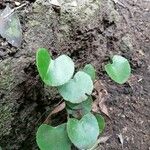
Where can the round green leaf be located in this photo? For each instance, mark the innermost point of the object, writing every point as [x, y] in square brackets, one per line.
[101, 122]
[77, 89]
[89, 69]
[83, 108]
[54, 72]
[83, 133]
[53, 138]
[119, 70]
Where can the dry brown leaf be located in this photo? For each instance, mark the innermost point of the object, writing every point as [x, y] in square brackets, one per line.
[57, 109]
[101, 97]
[104, 108]
[101, 89]
[95, 107]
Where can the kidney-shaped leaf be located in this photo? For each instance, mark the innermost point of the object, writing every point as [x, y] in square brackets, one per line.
[119, 70]
[89, 69]
[78, 88]
[10, 27]
[83, 133]
[101, 122]
[54, 72]
[53, 138]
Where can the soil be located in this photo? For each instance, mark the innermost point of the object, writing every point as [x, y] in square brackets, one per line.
[25, 101]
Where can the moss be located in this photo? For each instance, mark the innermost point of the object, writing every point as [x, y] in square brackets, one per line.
[5, 119]
[5, 76]
[44, 20]
[6, 104]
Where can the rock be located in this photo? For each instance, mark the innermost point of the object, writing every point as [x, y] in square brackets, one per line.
[126, 43]
[49, 29]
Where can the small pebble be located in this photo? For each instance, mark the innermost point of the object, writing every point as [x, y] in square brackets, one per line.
[17, 3]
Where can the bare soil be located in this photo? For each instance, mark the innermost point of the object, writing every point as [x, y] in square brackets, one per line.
[128, 104]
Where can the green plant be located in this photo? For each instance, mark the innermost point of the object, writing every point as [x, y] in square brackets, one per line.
[82, 128]
[119, 70]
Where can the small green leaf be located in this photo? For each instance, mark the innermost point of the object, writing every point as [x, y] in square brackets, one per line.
[89, 69]
[43, 60]
[54, 72]
[101, 122]
[83, 107]
[119, 70]
[77, 89]
[53, 138]
[83, 133]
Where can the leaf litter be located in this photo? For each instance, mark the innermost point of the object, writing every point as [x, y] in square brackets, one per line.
[57, 109]
[10, 27]
[101, 97]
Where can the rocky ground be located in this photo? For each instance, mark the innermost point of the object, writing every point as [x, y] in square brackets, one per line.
[89, 33]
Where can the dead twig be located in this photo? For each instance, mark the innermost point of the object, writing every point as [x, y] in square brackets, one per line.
[13, 10]
[57, 109]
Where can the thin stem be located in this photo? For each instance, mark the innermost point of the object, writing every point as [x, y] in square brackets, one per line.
[12, 11]
[57, 109]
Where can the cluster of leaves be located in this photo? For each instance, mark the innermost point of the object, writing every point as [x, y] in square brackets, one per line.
[81, 130]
